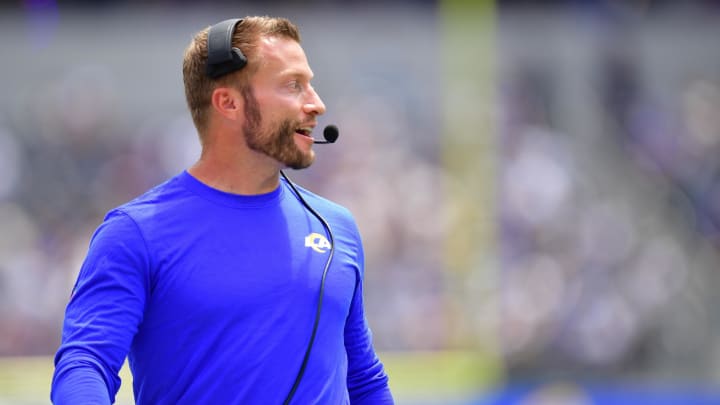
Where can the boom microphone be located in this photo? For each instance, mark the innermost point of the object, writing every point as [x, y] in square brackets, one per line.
[330, 133]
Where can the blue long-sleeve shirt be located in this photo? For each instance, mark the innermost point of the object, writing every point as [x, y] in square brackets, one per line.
[212, 296]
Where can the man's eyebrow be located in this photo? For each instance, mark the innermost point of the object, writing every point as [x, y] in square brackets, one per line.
[298, 73]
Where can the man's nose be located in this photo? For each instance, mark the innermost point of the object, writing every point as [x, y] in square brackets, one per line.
[314, 104]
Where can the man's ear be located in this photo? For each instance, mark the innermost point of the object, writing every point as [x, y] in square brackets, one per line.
[227, 102]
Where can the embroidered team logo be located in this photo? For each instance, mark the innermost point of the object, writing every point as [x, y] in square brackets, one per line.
[317, 242]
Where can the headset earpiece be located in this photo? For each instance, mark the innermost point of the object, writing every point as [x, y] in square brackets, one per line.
[222, 57]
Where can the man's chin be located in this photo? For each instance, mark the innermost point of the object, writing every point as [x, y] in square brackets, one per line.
[302, 155]
[302, 163]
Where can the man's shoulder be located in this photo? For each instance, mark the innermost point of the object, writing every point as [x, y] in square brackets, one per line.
[340, 218]
[152, 202]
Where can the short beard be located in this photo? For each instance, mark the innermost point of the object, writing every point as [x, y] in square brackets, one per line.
[278, 143]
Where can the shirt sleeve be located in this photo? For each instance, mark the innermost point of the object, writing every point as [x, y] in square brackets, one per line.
[367, 381]
[103, 314]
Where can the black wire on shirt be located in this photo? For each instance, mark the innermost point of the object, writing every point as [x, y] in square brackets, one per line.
[325, 224]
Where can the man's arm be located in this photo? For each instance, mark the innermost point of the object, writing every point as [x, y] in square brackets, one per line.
[79, 381]
[103, 315]
[367, 381]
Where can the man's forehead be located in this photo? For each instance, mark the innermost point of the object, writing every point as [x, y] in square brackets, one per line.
[279, 47]
[275, 50]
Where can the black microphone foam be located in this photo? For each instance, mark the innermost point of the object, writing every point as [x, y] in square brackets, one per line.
[331, 133]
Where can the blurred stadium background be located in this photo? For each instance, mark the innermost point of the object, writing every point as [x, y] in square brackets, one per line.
[537, 183]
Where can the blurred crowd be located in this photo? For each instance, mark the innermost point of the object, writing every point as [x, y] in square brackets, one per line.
[610, 196]
[607, 179]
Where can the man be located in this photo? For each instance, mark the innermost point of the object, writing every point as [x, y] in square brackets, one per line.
[215, 284]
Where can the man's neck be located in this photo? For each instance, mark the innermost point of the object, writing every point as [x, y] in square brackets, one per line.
[247, 175]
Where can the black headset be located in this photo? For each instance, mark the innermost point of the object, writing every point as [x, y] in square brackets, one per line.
[223, 59]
